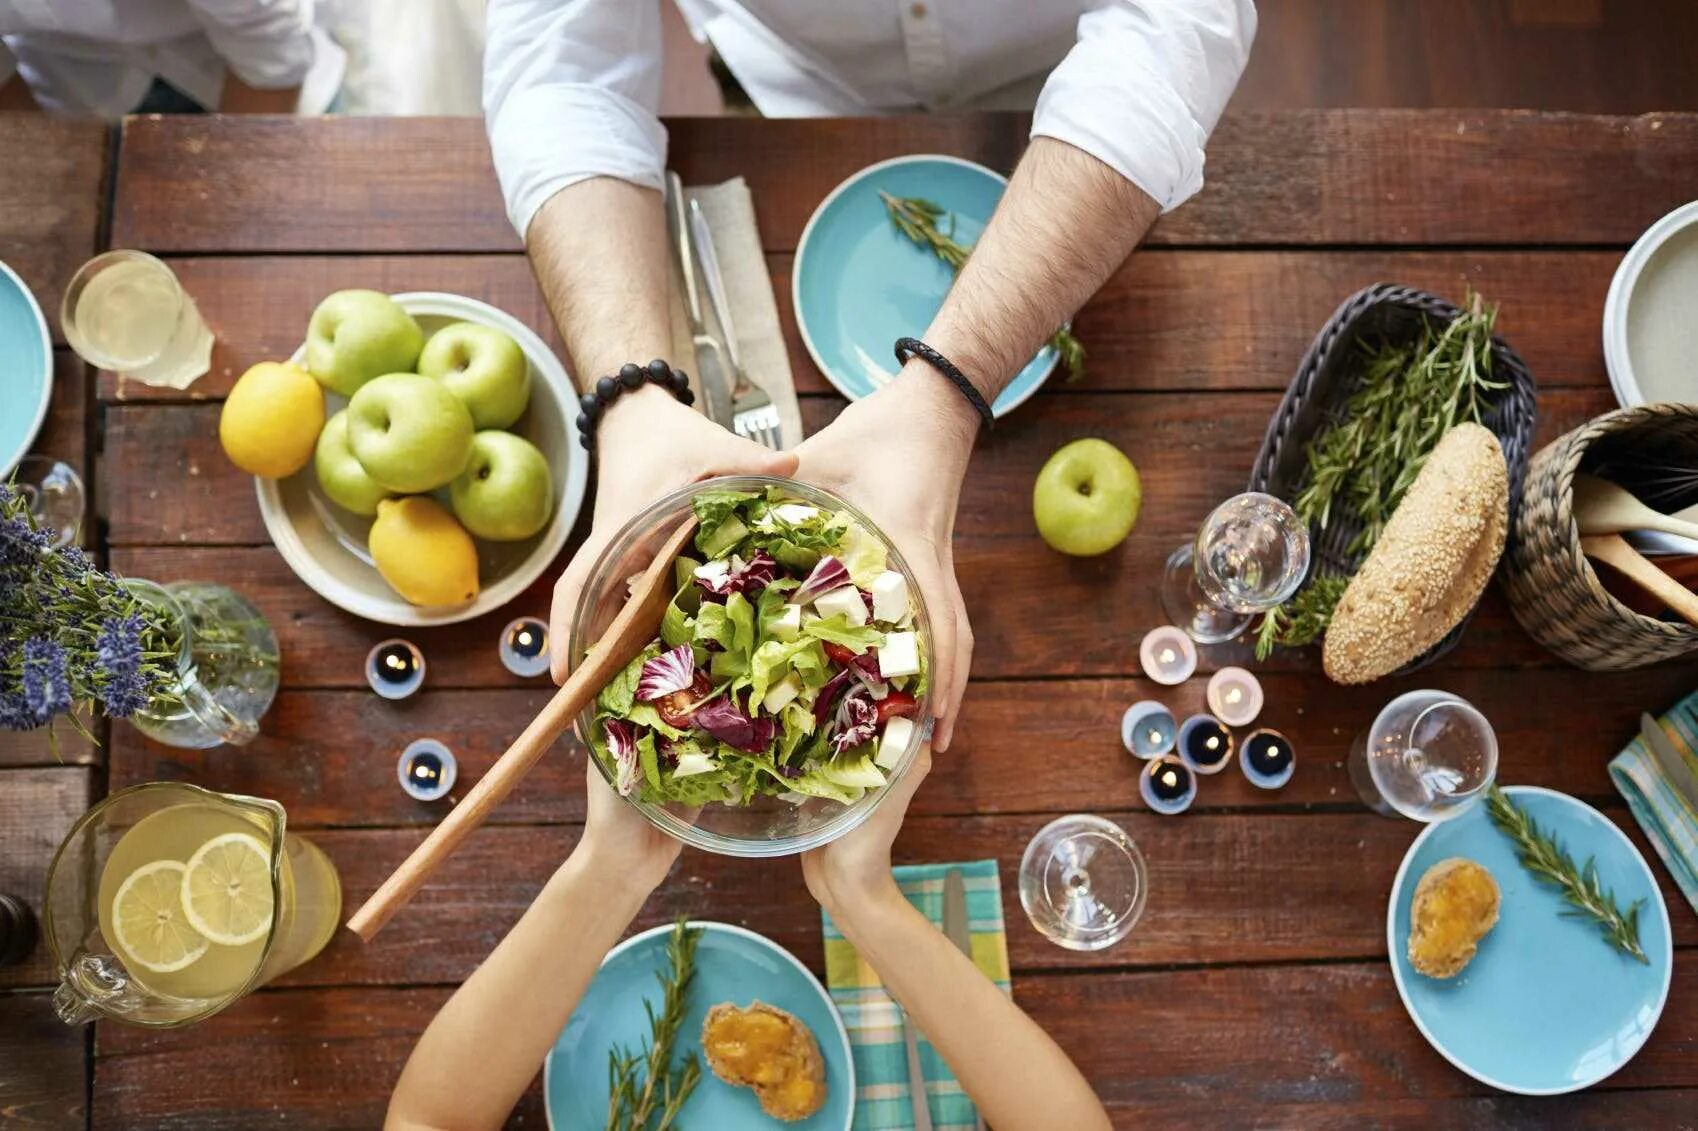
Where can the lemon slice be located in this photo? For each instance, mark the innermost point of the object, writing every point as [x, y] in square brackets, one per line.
[227, 889]
[148, 920]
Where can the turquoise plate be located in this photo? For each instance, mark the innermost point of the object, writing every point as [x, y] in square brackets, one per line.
[859, 284]
[1547, 1005]
[733, 965]
[26, 369]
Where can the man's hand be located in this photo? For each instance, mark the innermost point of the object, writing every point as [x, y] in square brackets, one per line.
[900, 455]
[649, 444]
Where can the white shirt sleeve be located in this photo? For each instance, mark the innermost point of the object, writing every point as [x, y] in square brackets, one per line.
[571, 91]
[267, 44]
[1144, 85]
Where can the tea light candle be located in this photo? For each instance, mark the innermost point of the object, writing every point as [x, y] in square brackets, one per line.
[1267, 759]
[1204, 744]
[1235, 696]
[1148, 729]
[1168, 655]
[395, 668]
[1167, 785]
[524, 647]
[427, 770]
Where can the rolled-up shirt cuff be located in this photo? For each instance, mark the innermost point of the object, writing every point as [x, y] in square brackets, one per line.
[268, 64]
[552, 135]
[1134, 122]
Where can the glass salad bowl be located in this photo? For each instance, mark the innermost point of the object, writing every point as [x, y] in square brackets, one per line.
[764, 825]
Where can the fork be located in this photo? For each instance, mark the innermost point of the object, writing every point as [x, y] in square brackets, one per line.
[753, 415]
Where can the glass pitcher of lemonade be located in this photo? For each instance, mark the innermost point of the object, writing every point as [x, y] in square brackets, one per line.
[166, 902]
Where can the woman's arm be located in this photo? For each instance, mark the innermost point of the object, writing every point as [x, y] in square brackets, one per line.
[508, 1013]
[1015, 1074]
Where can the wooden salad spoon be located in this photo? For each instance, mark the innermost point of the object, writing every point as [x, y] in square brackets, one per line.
[1602, 507]
[630, 631]
[1613, 550]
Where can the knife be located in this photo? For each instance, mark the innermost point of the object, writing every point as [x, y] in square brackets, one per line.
[710, 353]
[956, 927]
[707, 255]
[1681, 778]
[916, 1075]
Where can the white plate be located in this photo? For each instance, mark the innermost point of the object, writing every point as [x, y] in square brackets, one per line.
[1620, 297]
[325, 545]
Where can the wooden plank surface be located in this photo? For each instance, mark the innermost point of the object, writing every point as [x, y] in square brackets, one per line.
[37, 807]
[1268, 1046]
[51, 200]
[44, 1065]
[1306, 177]
[1168, 319]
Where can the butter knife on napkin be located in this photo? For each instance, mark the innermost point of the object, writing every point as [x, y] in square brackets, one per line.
[712, 376]
[1674, 767]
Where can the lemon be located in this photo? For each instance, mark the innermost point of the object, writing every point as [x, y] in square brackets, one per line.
[271, 420]
[148, 919]
[422, 553]
[227, 889]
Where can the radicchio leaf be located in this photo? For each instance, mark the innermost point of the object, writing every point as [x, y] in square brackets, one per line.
[828, 574]
[756, 573]
[666, 673]
[828, 693]
[865, 668]
[722, 719]
[857, 722]
[622, 744]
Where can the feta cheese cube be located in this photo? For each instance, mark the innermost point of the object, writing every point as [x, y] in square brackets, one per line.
[787, 625]
[781, 693]
[713, 572]
[794, 513]
[846, 600]
[898, 733]
[694, 762]
[899, 655]
[890, 596]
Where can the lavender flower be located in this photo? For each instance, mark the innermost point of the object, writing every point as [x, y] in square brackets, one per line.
[118, 654]
[47, 688]
[15, 713]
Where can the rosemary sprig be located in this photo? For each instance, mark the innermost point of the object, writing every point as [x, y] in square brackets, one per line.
[644, 1092]
[1303, 618]
[1541, 854]
[917, 218]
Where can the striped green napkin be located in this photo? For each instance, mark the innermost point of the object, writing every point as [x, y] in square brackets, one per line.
[1669, 821]
[874, 1022]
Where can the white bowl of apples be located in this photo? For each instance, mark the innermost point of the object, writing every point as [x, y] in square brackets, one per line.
[322, 517]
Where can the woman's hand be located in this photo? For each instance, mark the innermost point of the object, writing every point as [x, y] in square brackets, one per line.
[648, 444]
[900, 455]
[619, 842]
[854, 870]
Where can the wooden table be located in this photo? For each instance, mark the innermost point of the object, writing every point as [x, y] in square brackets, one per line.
[1256, 988]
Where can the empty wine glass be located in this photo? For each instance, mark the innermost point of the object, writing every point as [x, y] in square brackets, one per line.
[1250, 554]
[1429, 755]
[54, 492]
[1083, 882]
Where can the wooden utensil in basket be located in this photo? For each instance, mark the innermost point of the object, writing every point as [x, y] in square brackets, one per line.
[633, 628]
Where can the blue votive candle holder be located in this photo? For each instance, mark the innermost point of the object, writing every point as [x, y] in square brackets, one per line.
[427, 770]
[395, 668]
[524, 647]
[1167, 785]
[1205, 744]
[1148, 729]
[1267, 759]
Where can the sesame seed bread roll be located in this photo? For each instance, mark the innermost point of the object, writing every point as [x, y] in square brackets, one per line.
[1431, 562]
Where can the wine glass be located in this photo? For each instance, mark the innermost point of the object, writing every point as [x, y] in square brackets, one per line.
[1250, 554]
[1083, 882]
[1429, 755]
[54, 492]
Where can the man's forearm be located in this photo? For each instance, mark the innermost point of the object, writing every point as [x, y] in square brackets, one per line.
[599, 252]
[1066, 223]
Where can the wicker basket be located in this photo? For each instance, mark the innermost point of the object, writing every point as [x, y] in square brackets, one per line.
[1326, 378]
[1552, 587]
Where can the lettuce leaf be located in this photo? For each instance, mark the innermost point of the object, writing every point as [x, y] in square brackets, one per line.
[645, 714]
[649, 760]
[621, 691]
[838, 630]
[732, 627]
[774, 660]
[863, 554]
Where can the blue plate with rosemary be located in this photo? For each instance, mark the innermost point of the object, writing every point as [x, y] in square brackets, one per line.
[732, 964]
[1548, 1004]
[26, 377]
[859, 284]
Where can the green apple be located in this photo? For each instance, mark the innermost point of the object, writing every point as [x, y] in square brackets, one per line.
[1087, 498]
[340, 474]
[357, 335]
[506, 492]
[484, 368]
[409, 432]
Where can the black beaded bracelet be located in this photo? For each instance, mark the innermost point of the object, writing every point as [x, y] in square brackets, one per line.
[631, 376]
[914, 347]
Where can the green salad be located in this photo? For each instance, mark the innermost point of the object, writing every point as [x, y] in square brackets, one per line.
[788, 663]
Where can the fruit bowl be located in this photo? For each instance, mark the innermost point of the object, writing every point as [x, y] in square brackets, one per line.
[767, 826]
[326, 545]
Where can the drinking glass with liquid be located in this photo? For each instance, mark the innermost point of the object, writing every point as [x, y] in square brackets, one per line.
[125, 311]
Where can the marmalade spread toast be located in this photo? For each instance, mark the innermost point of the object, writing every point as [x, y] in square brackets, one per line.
[771, 1051]
[1455, 904]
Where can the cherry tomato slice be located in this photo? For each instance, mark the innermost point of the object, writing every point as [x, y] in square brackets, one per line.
[893, 704]
[677, 707]
[838, 654]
